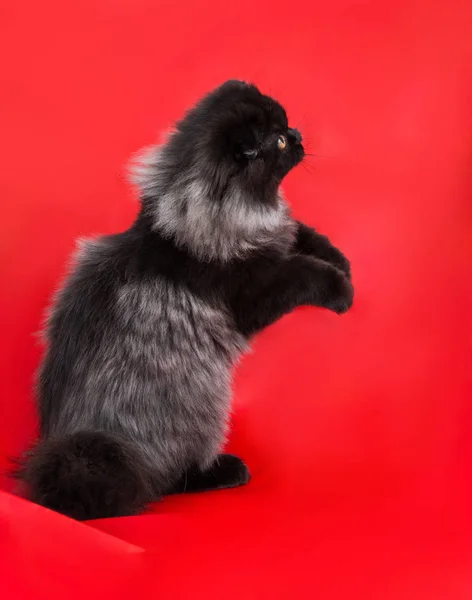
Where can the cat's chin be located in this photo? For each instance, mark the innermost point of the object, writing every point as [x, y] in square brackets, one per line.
[299, 153]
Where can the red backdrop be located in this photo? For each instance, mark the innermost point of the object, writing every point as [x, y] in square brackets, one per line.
[358, 429]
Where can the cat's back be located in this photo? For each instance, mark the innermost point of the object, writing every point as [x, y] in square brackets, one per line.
[97, 269]
[78, 322]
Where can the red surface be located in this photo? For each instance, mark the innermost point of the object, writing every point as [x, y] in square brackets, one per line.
[358, 430]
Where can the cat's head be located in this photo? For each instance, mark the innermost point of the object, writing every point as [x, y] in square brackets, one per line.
[238, 132]
[213, 186]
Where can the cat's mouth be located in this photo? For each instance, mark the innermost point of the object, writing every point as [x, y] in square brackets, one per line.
[298, 153]
[295, 140]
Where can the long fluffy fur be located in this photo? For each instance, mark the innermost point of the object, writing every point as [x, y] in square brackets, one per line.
[134, 389]
[87, 475]
[185, 214]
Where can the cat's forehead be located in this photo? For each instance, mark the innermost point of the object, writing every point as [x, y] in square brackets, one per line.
[263, 114]
[248, 104]
[274, 111]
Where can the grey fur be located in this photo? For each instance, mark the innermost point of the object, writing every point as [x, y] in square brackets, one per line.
[185, 213]
[161, 375]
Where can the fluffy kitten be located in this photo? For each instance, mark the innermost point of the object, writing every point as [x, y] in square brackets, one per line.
[134, 390]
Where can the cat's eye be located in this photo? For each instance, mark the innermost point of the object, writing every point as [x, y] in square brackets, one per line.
[281, 142]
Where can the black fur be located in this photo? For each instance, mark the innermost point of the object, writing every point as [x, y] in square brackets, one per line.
[134, 387]
[227, 471]
[87, 476]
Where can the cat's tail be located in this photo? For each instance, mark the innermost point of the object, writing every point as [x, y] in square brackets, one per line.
[86, 475]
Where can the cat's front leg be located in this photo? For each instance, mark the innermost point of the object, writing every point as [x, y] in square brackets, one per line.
[310, 242]
[298, 281]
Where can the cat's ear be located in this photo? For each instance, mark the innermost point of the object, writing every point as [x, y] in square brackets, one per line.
[246, 144]
[250, 153]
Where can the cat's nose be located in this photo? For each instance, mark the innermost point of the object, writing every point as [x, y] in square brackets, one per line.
[294, 133]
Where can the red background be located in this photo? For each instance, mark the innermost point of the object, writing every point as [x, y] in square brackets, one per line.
[358, 429]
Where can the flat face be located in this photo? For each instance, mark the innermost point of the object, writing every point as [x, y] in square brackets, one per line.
[357, 429]
[237, 134]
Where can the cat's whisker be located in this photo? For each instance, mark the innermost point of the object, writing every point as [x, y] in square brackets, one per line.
[307, 169]
[310, 154]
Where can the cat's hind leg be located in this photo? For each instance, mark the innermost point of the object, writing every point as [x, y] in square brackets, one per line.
[227, 471]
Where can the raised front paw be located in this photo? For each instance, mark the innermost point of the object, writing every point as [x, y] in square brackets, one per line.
[336, 258]
[338, 291]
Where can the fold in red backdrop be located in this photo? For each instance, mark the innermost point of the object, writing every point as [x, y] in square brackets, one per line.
[357, 429]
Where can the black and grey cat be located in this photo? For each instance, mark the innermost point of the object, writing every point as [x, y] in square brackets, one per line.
[134, 390]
